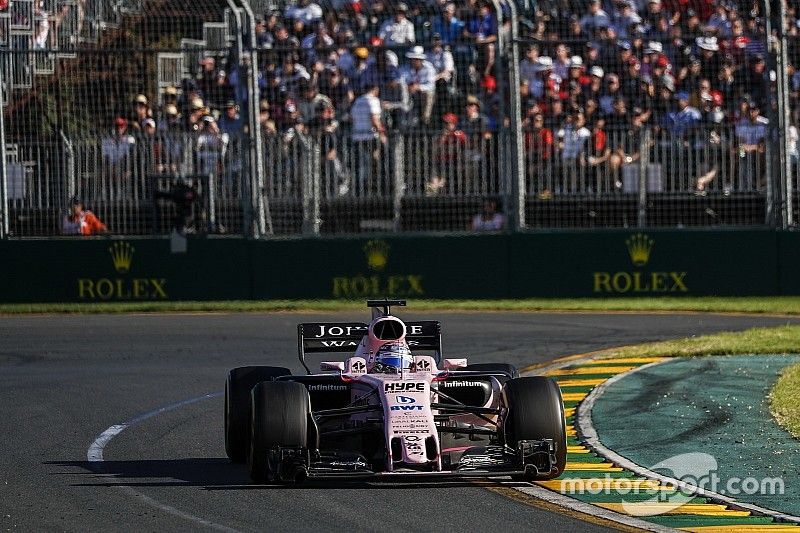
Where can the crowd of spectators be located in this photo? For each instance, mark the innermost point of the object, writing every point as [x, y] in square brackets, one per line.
[594, 73]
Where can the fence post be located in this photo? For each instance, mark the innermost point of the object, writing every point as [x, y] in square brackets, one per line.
[399, 171]
[771, 161]
[511, 167]
[644, 158]
[3, 156]
[784, 120]
[311, 161]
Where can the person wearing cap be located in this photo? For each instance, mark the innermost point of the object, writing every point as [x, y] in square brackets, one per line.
[573, 142]
[609, 94]
[546, 80]
[593, 89]
[449, 155]
[684, 121]
[398, 30]
[81, 221]
[289, 75]
[751, 134]
[304, 11]
[595, 19]
[442, 60]
[117, 151]
[528, 66]
[141, 112]
[310, 101]
[420, 78]
[231, 122]
[209, 147]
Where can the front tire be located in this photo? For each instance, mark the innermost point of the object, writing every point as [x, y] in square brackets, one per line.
[279, 418]
[536, 412]
[238, 385]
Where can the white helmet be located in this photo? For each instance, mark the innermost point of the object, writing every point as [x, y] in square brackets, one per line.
[392, 357]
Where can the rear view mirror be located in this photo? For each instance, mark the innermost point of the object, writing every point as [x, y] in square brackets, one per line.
[327, 366]
[453, 364]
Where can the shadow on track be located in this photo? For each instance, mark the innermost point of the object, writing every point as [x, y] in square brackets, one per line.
[218, 474]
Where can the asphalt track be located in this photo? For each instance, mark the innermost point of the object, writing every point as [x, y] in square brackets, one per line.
[65, 379]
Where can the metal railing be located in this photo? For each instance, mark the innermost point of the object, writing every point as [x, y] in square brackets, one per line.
[649, 139]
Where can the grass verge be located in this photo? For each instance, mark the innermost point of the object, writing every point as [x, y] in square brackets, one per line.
[783, 400]
[774, 340]
[789, 305]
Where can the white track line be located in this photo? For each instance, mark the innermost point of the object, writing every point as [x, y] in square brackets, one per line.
[589, 434]
[94, 454]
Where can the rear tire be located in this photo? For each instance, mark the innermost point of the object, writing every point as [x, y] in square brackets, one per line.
[535, 412]
[238, 385]
[506, 368]
[279, 417]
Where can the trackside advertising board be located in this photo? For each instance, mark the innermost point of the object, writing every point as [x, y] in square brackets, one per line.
[537, 264]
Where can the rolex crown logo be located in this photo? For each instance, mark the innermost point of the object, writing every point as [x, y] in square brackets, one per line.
[639, 247]
[377, 254]
[122, 256]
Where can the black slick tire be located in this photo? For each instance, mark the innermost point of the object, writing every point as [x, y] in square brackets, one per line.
[535, 412]
[279, 418]
[238, 385]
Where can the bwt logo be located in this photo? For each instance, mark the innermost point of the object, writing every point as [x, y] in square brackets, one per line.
[406, 408]
[405, 399]
[417, 386]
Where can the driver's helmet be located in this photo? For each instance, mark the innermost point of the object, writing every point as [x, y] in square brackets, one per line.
[391, 358]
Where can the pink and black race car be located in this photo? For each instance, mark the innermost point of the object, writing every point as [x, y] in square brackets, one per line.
[394, 407]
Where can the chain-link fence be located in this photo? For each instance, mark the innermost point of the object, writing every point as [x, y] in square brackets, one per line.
[348, 116]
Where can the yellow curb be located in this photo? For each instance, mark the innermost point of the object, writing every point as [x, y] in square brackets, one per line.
[573, 396]
[578, 449]
[754, 528]
[590, 370]
[654, 508]
[592, 467]
[581, 382]
[589, 485]
[625, 360]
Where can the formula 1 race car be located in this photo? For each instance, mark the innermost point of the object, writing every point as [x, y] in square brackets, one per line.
[389, 409]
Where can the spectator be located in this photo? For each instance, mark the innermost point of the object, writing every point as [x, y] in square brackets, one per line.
[538, 150]
[81, 221]
[449, 156]
[420, 77]
[210, 148]
[751, 134]
[528, 67]
[290, 74]
[141, 112]
[489, 219]
[610, 94]
[482, 30]
[117, 152]
[595, 19]
[316, 44]
[338, 88]
[231, 122]
[305, 11]
[442, 60]
[573, 141]
[368, 135]
[449, 27]
[398, 31]
[284, 40]
[311, 101]
[682, 122]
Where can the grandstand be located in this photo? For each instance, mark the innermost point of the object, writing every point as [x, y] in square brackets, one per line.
[586, 114]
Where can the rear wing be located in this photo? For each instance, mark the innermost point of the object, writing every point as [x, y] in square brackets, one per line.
[344, 337]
